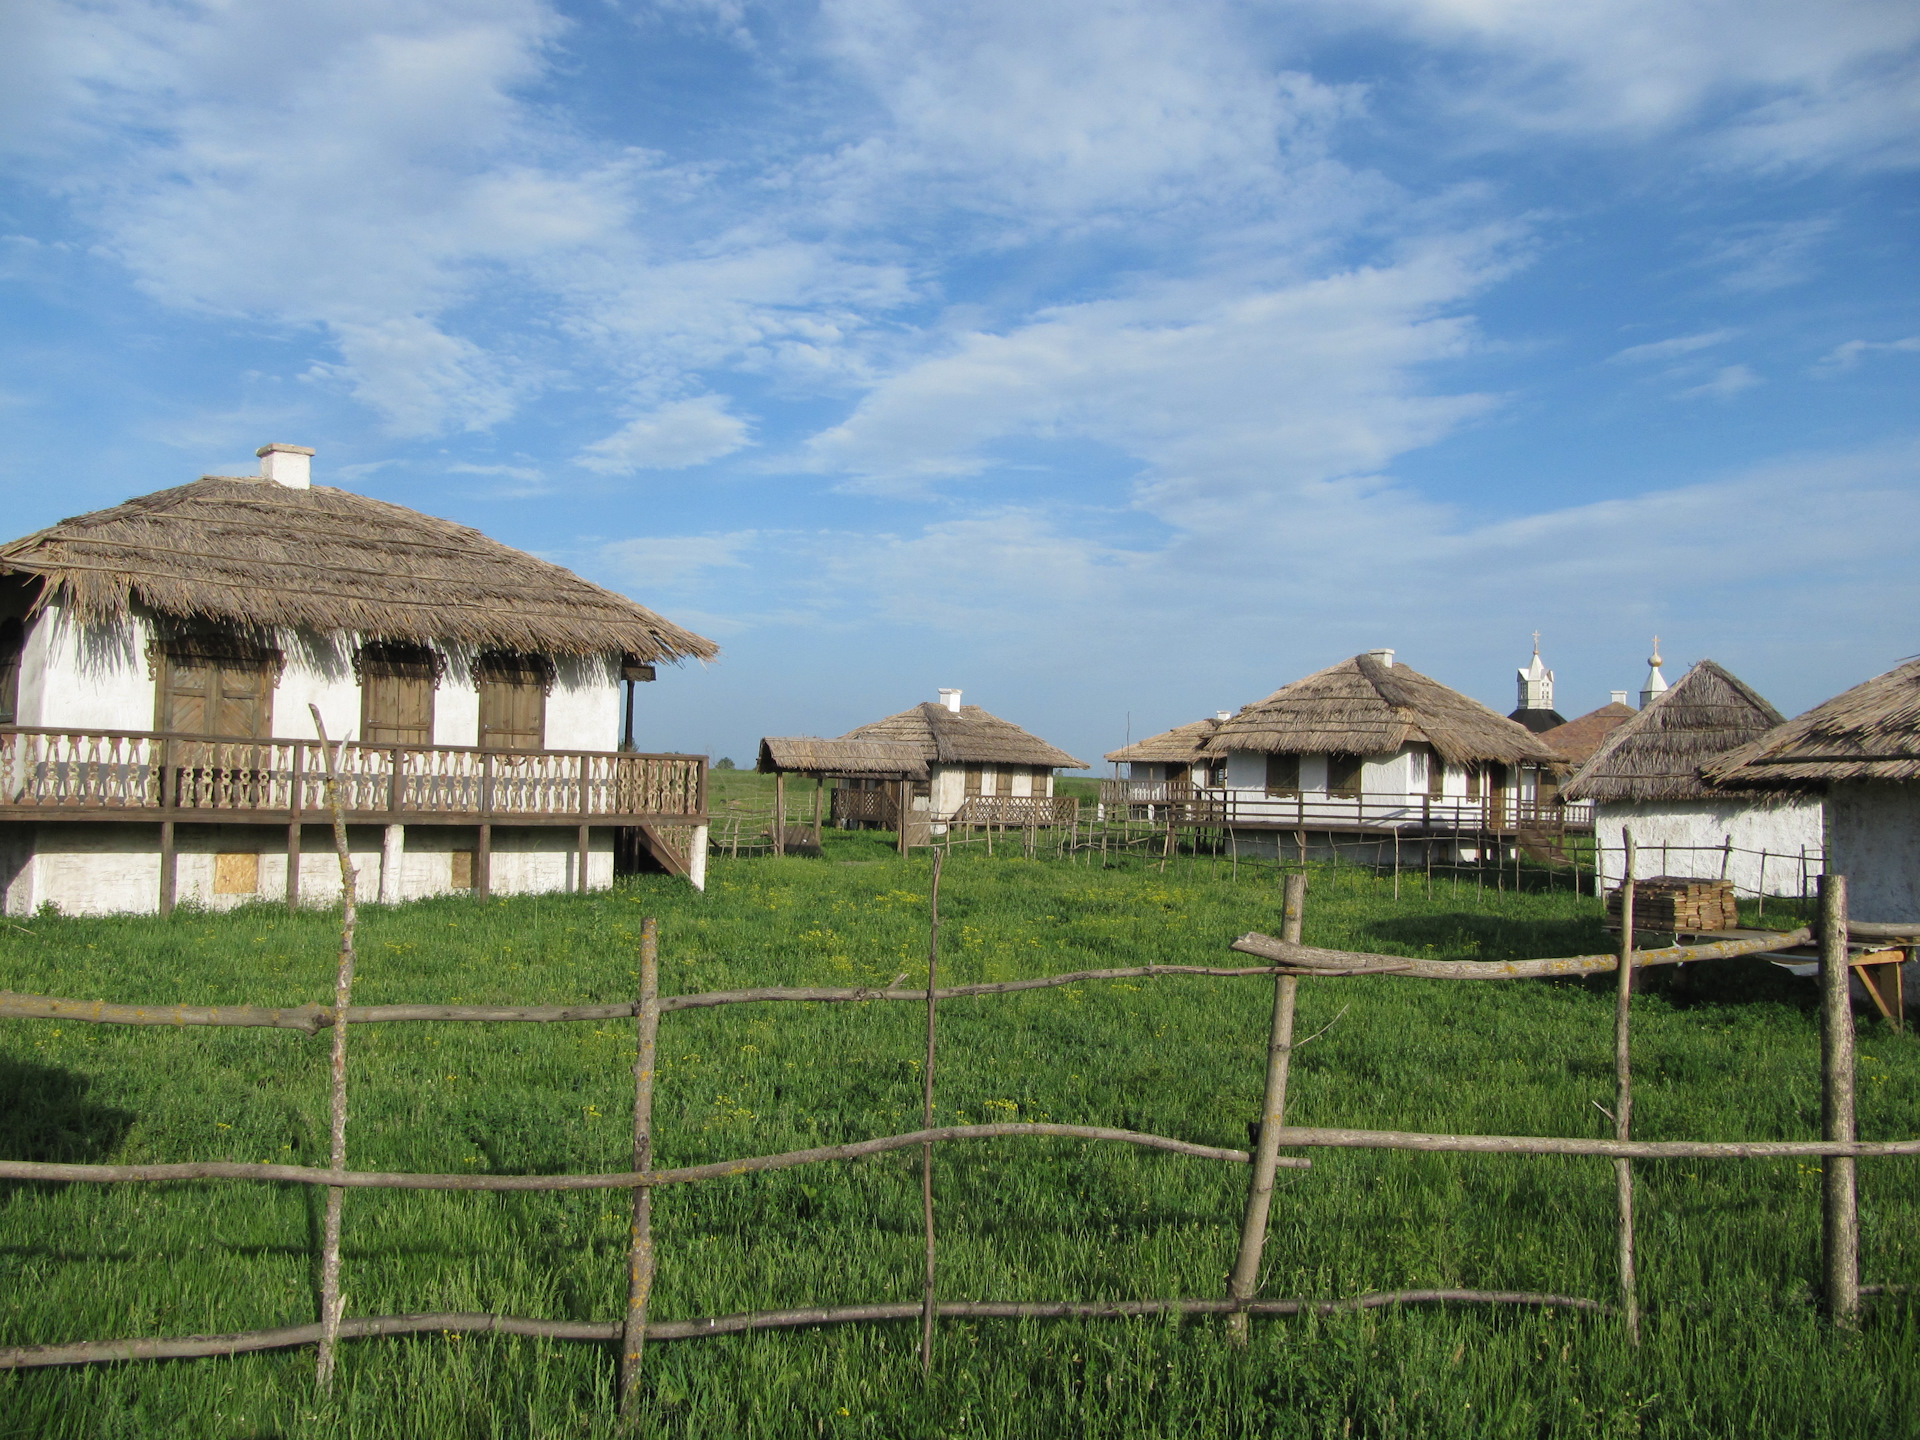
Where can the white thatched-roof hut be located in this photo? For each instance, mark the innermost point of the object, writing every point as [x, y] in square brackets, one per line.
[1859, 754]
[1645, 776]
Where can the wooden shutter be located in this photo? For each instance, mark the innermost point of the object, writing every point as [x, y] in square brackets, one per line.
[396, 695]
[204, 691]
[1436, 773]
[12, 640]
[1003, 781]
[973, 780]
[513, 703]
[1343, 774]
[1283, 774]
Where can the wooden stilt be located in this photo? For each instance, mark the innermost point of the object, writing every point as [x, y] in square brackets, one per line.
[586, 854]
[483, 863]
[167, 862]
[819, 805]
[293, 867]
[780, 813]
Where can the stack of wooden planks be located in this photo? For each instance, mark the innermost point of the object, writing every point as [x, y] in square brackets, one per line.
[1677, 904]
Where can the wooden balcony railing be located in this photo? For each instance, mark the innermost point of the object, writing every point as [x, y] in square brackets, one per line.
[106, 774]
[1217, 806]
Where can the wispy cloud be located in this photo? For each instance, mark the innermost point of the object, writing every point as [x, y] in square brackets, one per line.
[672, 437]
[1726, 383]
[1670, 349]
[1845, 357]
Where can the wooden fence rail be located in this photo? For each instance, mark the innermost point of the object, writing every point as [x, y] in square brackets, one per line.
[1296, 962]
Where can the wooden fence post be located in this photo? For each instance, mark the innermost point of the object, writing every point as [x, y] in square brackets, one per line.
[1245, 1279]
[331, 1303]
[1623, 1102]
[926, 1150]
[640, 1264]
[1841, 1228]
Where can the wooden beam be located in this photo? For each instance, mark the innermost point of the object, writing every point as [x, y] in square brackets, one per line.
[483, 863]
[586, 852]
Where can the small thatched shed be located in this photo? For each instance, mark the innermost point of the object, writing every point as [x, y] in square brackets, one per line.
[1172, 755]
[1859, 754]
[1645, 776]
[948, 753]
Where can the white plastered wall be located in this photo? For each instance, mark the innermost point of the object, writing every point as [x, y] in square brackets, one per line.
[1769, 837]
[583, 710]
[1873, 839]
[81, 675]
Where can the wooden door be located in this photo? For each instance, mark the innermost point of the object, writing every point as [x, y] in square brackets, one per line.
[513, 703]
[396, 696]
[1496, 796]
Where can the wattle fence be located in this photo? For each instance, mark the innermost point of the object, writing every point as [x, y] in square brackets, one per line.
[1286, 959]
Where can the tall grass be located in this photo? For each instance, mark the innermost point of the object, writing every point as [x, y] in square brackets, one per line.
[1729, 1250]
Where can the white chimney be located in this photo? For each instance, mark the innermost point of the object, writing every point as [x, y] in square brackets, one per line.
[288, 465]
[1223, 715]
[1619, 696]
[951, 699]
[1385, 657]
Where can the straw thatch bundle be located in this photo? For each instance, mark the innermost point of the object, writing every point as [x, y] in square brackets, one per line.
[806, 755]
[1872, 732]
[1363, 706]
[1181, 745]
[1576, 740]
[1657, 754]
[969, 737]
[260, 556]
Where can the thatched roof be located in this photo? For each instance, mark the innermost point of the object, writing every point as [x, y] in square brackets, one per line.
[251, 553]
[1657, 754]
[1581, 736]
[1363, 706]
[1181, 745]
[970, 737]
[1872, 732]
[805, 755]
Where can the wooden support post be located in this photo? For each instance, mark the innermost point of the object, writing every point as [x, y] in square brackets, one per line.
[926, 1150]
[780, 813]
[903, 799]
[1623, 1104]
[640, 1262]
[819, 800]
[1840, 1229]
[586, 855]
[483, 863]
[1245, 1280]
[167, 867]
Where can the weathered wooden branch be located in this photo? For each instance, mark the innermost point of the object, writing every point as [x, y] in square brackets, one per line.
[1244, 1281]
[1311, 1137]
[1623, 1104]
[187, 1347]
[1840, 1215]
[311, 1019]
[926, 1150]
[331, 1305]
[47, 1171]
[1311, 958]
[640, 1259]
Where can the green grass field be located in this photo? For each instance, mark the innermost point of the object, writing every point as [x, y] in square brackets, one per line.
[1729, 1250]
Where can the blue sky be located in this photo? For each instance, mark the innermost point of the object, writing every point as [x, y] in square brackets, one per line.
[1115, 362]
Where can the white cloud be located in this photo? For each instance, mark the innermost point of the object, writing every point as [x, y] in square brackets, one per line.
[1847, 356]
[672, 437]
[1762, 83]
[672, 562]
[1767, 256]
[1220, 389]
[421, 380]
[1669, 349]
[1726, 383]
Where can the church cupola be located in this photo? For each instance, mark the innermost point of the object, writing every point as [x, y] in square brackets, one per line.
[1656, 684]
[1536, 710]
